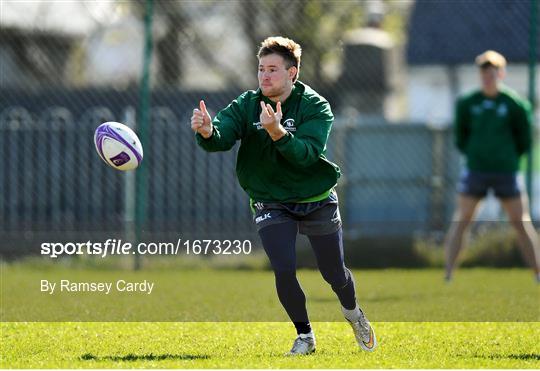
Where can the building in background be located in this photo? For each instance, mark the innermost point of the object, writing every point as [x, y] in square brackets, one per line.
[39, 39]
[370, 85]
[31, 58]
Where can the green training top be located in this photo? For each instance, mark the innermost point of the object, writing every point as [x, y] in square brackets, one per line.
[293, 168]
[493, 132]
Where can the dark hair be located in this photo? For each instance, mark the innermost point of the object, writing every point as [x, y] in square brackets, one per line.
[289, 50]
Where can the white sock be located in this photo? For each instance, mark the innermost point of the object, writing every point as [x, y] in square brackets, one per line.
[352, 315]
[309, 335]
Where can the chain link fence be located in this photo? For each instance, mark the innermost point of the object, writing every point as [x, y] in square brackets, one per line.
[390, 69]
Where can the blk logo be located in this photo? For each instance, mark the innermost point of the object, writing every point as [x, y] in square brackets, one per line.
[262, 218]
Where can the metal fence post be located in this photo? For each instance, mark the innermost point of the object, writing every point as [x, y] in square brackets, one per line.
[144, 106]
[532, 96]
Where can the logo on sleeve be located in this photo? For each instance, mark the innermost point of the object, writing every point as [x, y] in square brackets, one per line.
[289, 125]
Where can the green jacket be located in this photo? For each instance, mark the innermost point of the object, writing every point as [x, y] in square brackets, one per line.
[291, 169]
[493, 132]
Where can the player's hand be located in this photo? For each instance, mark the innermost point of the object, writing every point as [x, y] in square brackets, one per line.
[201, 122]
[271, 121]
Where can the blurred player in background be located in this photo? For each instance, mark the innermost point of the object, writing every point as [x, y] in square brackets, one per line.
[283, 127]
[492, 129]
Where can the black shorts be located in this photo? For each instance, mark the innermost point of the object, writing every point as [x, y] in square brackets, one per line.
[477, 184]
[313, 218]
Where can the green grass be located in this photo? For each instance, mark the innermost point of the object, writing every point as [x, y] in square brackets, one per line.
[261, 345]
[202, 318]
[390, 295]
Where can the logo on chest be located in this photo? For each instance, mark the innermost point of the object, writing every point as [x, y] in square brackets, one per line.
[476, 110]
[502, 110]
[289, 125]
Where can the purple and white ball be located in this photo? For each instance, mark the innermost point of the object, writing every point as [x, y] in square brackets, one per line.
[118, 146]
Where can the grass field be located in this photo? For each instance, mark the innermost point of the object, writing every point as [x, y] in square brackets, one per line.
[389, 295]
[411, 311]
[261, 345]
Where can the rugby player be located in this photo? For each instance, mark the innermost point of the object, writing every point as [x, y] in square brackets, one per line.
[283, 127]
[492, 130]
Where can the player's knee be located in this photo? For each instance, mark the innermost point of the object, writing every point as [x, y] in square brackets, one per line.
[463, 219]
[336, 277]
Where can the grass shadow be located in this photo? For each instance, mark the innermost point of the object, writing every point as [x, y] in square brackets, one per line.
[521, 357]
[144, 357]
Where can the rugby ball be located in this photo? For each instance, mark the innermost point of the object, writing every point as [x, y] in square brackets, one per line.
[118, 146]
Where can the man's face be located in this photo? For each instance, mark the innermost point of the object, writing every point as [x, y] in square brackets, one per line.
[490, 76]
[274, 76]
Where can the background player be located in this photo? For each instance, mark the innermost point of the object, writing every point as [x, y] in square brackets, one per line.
[492, 129]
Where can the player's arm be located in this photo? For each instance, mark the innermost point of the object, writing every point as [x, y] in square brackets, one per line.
[309, 141]
[461, 125]
[221, 133]
[522, 127]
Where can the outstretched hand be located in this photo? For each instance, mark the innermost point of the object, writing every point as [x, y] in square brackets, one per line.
[201, 121]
